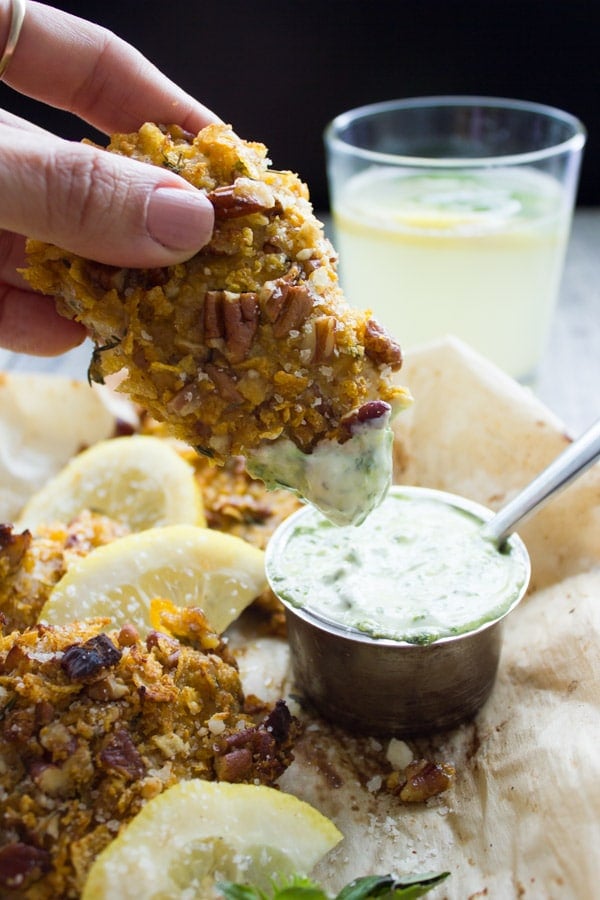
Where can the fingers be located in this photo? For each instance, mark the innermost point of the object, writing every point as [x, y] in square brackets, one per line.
[75, 65]
[30, 324]
[97, 204]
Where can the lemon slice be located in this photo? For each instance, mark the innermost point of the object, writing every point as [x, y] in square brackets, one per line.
[139, 480]
[186, 564]
[198, 833]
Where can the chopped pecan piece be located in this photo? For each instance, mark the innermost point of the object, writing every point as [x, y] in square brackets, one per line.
[274, 303]
[106, 689]
[44, 712]
[234, 766]
[279, 722]
[106, 278]
[128, 635]
[381, 347]
[15, 658]
[121, 754]
[421, 780]
[82, 660]
[51, 778]
[230, 322]
[19, 725]
[21, 864]
[297, 304]
[214, 327]
[241, 198]
[324, 338]
[185, 401]
[256, 747]
[240, 318]
[13, 546]
[225, 383]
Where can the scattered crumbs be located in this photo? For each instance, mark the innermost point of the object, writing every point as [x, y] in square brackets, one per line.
[374, 784]
[313, 727]
[295, 709]
[398, 754]
[389, 827]
[375, 744]
[216, 725]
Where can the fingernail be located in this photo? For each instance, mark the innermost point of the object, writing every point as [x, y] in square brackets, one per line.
[179, 219]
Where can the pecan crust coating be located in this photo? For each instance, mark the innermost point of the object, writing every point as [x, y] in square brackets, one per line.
[93, 725]
[30, 565]
[252, 338]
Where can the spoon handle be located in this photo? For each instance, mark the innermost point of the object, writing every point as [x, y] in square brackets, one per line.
[571, 463]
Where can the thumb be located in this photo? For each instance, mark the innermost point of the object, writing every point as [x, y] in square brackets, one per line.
[99, 205]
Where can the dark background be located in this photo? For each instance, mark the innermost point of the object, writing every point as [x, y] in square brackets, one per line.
[279, 71]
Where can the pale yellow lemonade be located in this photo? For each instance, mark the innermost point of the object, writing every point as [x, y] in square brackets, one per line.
[476, 254]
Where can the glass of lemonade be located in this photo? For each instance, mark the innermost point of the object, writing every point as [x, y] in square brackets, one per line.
[452, 215]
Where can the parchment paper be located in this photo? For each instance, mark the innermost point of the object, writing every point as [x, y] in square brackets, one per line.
[523, 817]
[44, 421]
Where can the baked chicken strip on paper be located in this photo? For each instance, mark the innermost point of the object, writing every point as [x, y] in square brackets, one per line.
[250, 347]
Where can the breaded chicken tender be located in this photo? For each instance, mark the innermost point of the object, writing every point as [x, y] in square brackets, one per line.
[249, 348]
[30, 565]
[93, 724]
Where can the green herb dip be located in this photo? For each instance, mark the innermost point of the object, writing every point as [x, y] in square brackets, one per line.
[417, 570]
[344, 481]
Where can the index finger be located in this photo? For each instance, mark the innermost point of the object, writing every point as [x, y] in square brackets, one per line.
[84, 68]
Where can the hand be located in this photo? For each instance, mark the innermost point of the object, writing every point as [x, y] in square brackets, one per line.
[100, 205]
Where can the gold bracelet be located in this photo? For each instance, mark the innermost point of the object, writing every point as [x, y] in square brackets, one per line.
[17, 8]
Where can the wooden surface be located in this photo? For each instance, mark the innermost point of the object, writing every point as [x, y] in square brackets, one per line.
[569, 377]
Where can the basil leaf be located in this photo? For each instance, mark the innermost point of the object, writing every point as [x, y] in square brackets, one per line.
[233, 891]
[297, 889]
[300, 893]
[387, 887]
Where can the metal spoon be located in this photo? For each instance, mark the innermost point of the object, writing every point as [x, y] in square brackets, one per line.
[572, 463]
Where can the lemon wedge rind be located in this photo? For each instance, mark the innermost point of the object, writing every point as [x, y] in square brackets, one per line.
[189, 565]
[140, 480]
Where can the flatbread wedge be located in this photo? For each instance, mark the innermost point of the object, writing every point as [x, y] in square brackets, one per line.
[249, 344]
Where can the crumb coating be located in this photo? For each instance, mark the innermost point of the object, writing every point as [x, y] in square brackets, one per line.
[252, 338]
[93, 724]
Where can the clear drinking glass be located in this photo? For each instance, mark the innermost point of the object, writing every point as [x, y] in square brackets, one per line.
[452, 216]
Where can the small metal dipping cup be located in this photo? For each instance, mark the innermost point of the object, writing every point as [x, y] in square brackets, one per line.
[380, 686]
